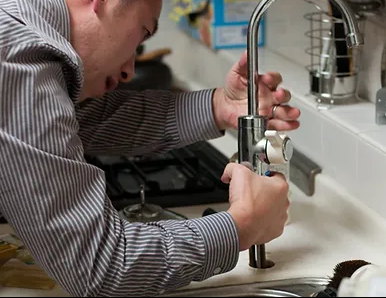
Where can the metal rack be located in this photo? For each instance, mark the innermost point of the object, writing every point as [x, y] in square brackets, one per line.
[328, 83]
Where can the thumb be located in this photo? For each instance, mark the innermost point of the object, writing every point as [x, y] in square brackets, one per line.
[228, 172]
[232, 167]
[241, 67]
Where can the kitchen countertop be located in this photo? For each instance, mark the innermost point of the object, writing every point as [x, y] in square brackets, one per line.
[325, 229]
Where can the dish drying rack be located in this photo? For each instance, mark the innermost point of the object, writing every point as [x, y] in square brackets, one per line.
[333, 68]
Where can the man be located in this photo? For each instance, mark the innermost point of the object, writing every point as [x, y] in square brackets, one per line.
[59, 64]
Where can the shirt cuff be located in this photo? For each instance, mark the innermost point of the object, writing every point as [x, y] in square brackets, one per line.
[221, 244]
[195, 119]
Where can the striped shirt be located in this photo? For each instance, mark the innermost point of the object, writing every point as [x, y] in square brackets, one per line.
[56, 202]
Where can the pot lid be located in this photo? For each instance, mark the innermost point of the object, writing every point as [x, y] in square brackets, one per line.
[144, 212]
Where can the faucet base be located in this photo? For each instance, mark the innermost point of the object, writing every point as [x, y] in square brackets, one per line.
[257, 258]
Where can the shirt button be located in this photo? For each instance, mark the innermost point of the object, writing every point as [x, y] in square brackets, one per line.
[217, 270]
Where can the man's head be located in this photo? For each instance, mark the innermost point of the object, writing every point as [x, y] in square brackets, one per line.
[105, 34]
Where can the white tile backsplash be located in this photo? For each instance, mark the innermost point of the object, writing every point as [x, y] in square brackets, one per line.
[376, 138]
[359, 118]
[371, 184]
[339, 152]
[308, 138]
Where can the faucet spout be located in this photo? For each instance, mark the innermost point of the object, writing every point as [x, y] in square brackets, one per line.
[354, 38]
[258, 146]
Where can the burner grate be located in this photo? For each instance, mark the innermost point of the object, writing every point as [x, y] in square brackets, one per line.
[184, 176]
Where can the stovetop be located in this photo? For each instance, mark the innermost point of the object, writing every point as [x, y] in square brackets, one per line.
[182, 177]
[186, 176]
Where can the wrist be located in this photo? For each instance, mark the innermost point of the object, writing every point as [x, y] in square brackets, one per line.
[241, 228]
[218, 96]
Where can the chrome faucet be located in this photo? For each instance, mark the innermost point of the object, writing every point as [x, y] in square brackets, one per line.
[258, 146]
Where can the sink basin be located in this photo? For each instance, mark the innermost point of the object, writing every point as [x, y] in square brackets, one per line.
[296, 287]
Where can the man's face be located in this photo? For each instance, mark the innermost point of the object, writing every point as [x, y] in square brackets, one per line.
[105, 34]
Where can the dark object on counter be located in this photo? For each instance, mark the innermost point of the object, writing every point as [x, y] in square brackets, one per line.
[209, 211]
[150, 71]
[341, 270]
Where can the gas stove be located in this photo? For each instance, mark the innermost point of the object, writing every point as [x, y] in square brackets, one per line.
[186, 176]
[182, 177]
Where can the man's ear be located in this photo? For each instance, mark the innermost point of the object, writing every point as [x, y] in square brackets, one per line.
[96, 5]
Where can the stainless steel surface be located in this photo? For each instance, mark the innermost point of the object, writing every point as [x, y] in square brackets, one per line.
[380, 107]
[327, 84]
[288, 149]
[252, 142]
[380, 101]
[296, 287]
[253, 63]
[142, 194]
[251, 153]
[303, 171]
[333, 90]
[383, 66]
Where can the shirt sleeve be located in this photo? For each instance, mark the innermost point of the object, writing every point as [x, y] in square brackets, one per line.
[57, 204]
[140, 122]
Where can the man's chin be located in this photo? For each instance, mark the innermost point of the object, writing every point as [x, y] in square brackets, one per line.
[88, 95]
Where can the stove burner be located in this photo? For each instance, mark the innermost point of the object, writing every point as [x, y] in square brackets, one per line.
[144, 212]
[180, 177]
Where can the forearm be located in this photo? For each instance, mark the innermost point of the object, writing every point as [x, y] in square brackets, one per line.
[72, 230]
[132, 122]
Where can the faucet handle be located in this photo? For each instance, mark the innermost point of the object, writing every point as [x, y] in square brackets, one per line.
[279, 148]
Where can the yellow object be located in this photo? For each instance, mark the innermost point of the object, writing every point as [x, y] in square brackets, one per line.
[18, 268]
[16, 274]
[7, 252]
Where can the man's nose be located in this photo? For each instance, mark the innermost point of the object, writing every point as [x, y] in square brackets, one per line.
[127, 70]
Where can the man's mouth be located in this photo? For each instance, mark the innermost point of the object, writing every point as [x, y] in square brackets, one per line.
[111, 83]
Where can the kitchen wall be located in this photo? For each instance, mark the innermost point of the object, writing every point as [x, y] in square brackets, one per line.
[344, 140]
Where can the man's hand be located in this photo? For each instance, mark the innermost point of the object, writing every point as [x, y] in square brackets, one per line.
[258, 204]
[231, 101]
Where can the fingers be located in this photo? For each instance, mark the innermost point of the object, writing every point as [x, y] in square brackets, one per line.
[231, 169]
[283, 125]
[282, 96]
[281, 180]
[271, 79]
[287, 113]
[278, 175]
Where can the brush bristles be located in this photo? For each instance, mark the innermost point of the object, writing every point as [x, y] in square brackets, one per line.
[345, 269]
